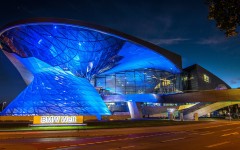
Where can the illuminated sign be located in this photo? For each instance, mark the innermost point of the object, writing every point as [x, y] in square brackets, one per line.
[57, 119]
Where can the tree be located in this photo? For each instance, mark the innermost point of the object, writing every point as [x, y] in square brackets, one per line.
[226, 13]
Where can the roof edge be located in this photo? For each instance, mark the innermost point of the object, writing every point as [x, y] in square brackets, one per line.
[175, 58]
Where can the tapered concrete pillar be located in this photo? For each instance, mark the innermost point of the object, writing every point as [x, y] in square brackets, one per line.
[170, 115]
[181, 116]
[134, 110]
[195, 116]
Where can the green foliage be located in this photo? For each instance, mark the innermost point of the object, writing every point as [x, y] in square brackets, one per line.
[226, 13]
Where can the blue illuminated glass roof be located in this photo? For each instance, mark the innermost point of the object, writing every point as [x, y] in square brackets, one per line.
[138, 57]
[73, 53]
[83, 51]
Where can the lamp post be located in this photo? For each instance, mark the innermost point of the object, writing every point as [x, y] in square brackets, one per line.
[229, 113]
[3, 103]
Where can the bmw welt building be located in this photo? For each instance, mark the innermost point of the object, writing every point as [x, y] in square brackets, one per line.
[73, 68]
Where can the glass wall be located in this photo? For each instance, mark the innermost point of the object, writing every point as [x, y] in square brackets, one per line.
[137, 82]
[117, 107]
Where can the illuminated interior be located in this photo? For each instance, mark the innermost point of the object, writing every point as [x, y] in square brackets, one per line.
[138, 81]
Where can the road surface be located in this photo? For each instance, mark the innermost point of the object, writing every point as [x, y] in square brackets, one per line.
[210, 135]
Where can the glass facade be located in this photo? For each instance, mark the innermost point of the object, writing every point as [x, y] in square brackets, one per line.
[139, 81]
[118, 107]
[68, 62]
[55, 92]
[81, 51]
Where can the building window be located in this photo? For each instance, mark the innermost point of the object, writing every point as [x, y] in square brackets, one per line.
[166, 82]
[206, 78]
[191, 78]
[185, 78]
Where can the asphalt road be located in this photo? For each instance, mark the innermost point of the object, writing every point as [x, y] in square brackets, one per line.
[212, 136]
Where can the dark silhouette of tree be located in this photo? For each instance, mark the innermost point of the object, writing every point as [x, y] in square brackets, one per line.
[226, 13]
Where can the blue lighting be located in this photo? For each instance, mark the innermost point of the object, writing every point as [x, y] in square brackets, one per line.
[55, 92]
[138, 57]
[60, 50]
[154, 98]
[39, 42]
[63, 61]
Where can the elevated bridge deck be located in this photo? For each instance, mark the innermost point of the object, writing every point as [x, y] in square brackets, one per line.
[203, 96]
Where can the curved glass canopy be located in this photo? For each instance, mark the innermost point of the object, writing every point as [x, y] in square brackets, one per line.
[84, 52]
[73, 54]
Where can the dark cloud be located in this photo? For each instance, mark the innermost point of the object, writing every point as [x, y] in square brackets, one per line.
[212, 40]
[168, 41]
[235, 81]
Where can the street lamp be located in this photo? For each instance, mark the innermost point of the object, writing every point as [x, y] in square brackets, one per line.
[229, 113]
[3, 103]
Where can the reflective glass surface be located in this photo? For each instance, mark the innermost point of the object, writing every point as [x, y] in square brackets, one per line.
[64, 58]
[55, 92]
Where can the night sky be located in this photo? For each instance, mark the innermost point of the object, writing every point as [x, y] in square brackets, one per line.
[179, 26]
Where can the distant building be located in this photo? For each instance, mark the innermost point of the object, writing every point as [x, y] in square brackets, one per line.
[196, 78]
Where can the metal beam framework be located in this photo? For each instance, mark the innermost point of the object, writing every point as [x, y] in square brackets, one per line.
[63, 58]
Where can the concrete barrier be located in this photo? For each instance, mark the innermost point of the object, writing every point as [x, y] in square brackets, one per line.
[16, 118]
[89, 118]
[116, 117]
